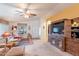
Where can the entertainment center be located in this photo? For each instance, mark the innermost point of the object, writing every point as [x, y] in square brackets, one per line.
[69, 40]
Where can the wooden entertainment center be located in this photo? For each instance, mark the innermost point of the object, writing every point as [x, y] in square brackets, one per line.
[70, 42]
[71, 37]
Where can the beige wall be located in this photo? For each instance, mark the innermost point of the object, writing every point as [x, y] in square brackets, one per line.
[70, 12]
[39, 24]
[34, 25]
[44, 30]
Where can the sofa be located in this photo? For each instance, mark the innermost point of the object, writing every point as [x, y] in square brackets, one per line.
[10, 40]
[14, 50]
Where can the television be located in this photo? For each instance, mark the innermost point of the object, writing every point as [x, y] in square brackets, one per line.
[55, 30]
[57, 27]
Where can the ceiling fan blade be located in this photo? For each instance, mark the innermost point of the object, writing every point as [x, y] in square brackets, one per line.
[33, 14]
[20, 15]
[18, 11]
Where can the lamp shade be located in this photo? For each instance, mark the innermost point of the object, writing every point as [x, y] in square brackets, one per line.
[6, 34]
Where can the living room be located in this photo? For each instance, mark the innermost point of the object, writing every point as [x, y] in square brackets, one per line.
[24, 28]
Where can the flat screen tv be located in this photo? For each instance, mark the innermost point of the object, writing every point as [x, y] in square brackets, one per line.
[55, 30]
[58, 27]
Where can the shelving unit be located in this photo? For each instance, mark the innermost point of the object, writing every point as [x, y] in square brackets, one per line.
[75, 32]
[72, 40]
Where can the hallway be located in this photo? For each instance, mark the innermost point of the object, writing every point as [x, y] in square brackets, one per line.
[44, 49]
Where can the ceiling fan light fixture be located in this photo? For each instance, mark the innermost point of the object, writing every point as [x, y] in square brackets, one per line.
[28, 12]
[26, 16]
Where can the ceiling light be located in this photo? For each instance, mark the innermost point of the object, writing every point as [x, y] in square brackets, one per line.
[49, 22]
[75, 24]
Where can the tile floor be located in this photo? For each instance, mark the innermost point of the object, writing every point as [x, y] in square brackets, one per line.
[39, 48]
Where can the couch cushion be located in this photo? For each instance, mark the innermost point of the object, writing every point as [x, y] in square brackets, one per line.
[3, 51]
[15, 51]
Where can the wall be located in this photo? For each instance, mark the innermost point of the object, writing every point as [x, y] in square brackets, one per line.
[3, 28]
[44, 30]
[39, 27]
[34, 24]
[70, 12]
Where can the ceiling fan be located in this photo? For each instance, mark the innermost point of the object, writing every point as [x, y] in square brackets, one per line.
[26, 12]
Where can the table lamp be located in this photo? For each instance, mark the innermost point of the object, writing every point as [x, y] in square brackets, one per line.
[6, 35]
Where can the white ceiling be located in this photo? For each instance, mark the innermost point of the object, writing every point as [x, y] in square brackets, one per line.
[8, 10]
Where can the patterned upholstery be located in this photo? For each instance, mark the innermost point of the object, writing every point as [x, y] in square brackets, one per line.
[3, 51]
[15, 51]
